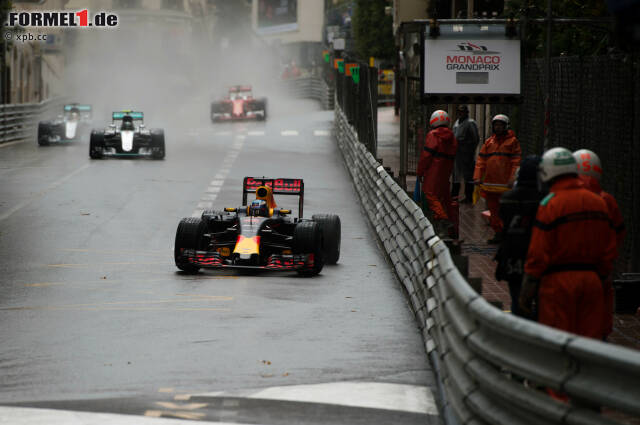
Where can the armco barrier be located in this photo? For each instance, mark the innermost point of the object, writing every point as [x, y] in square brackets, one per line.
[311, 87]
[482, 355]
[19, 121]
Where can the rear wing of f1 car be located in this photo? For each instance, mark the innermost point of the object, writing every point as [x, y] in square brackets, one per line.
[278, 186]
[234, 89]
[139, 116]
[84, 110]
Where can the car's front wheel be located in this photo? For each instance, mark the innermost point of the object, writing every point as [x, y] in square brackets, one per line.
[189, 235]
[44, 131]
[331, 230]
[96, 145]
[157, 144]
[307, 239]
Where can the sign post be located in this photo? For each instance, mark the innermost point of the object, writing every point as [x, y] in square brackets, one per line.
[471, 63]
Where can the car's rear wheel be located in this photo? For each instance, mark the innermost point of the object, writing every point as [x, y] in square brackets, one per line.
[157, 144]
[331, 231]
[189, 235]
[307, 239]
[96, 145]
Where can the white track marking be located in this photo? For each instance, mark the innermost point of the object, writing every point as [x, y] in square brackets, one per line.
[4, 145]
[212, 191]
[255, 133]
[43, 192]
[289, 133]
[321, 133]
[29, 415]
[372, 395]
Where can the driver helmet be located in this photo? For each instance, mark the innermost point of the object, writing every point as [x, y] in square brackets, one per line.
[259, 208]
[127, 123]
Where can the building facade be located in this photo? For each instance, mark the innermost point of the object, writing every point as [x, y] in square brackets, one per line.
[34, 70]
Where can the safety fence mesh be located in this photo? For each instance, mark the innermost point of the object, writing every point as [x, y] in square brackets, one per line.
[359, 101]
[594, 104]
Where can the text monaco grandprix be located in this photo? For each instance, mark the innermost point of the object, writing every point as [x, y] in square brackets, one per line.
[61, 19]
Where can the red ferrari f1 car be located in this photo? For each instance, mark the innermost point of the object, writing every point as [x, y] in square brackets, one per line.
[239, 104]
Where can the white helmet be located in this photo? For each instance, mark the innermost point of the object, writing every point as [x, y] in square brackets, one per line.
[556, 162]
[439, 118]
[501, 117]
[588, 163]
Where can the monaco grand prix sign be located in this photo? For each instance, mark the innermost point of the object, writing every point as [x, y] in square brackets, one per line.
[471, 66]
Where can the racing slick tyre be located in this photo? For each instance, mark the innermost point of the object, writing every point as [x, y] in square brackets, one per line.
[157, 144]
[307, 239]
[215, 109]
[96, 145]
[188, 236]
[330, 225]
[263, 103]
[44, 131]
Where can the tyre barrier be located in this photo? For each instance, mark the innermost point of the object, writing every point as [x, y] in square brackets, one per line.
[492, 367]
[311, 88]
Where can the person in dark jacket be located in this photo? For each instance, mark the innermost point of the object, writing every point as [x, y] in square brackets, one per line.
[466, 131]
[518, 208]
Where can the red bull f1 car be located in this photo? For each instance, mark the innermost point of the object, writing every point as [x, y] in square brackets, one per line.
[67, 127]
[239, 105]
[124, 138]
[258, 235]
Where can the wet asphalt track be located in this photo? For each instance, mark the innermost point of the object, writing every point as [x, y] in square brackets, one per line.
[95, 316]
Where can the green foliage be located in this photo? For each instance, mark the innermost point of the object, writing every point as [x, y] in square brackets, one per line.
[372, 30]
[567, 39]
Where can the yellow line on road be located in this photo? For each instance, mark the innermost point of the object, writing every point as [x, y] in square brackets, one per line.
[211, 297]
[109, 305]
[174, 414]
[177, 406]
[112, 309]
[218, 298]
[118, 251]
[71, 265]
[182, 397]
[170, 278]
